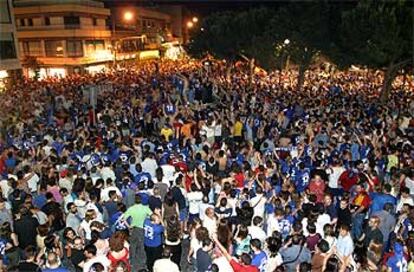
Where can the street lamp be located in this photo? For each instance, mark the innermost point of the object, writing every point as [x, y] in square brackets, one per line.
[128, 16]
[286, 42]
[195, 19]
[190, 24]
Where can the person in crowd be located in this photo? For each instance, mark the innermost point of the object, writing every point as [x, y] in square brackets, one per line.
[176, 154]
[165, 263]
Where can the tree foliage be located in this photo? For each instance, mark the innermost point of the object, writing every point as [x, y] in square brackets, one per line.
[378, 35]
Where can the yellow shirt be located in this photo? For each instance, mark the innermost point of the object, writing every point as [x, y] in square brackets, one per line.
[237, 129]
[392, 162]
[167, 132]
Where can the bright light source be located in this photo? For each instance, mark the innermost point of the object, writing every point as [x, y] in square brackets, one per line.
[286, 41]
[190, 24]
[128, 16]
[195, 19]
[3, 74]
[101, 55]
[202, 29]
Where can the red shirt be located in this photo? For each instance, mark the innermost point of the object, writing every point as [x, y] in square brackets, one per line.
[243, 268]
[239, 180]
[362, 199]
[318, 189]
[346, 181]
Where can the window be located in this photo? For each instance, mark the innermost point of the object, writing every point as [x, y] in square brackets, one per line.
[7, 48]
[71, 21]
[47, 20]
[74, 48]
[30, 22]
[32, 48]
[94, 45]
[94, 21]
[4, 12]
[22, 22]
[54, 48]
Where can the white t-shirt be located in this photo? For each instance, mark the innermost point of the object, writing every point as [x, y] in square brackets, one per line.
[105, 193]
[32, 182]
[210, 225]
[5, 188]
[97, 259]
[409, 183]
[223, 264]
[194, 201]
[322, 220]
[106, 173]
[203, 208]
[150, 166]
[86, 227]
[217, 130]
[258, 203]
[168, 170]
[334, 174]
[257, 233]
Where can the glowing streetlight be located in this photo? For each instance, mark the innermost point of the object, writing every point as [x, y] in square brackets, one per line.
[195, 19]
[128, 16]
[190, 24]
[286, 42]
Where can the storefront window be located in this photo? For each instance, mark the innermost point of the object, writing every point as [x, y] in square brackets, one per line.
[54, 48]
[74, 48]
[7, 48]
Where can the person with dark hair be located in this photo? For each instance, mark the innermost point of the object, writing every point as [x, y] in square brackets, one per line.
[91, 258]
[173, 238]
[25, 227]
[319, 257]
[97, 267]
[138, 213]
[259, 257]
[313, 237]
[274, 258]
[54, 212]
[153, 232]
[256, 229]
[305, 267]
[294, 253]
[203, 255]
[165, 263]
[244, 262]
[344, 245]
[29, 264]
[387, 221]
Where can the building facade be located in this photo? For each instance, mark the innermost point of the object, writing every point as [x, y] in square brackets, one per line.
[137, 30]
[60, 37]
[10, 67]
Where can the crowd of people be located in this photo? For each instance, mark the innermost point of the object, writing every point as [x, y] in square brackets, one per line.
[187, 167]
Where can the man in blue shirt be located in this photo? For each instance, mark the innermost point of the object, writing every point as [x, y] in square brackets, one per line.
[259, 257]
[379, 199]
[153, 231]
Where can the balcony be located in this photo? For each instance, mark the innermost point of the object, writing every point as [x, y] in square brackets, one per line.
[101, 32]
[61, 26]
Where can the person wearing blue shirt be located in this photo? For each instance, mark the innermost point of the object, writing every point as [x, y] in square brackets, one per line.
[397, 262]
[379, 199]
[153, 231]
[259, 257]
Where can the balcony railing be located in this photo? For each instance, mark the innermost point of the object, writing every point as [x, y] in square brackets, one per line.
[62, 26]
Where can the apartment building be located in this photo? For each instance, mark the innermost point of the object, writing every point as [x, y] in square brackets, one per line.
[60, 37]
[9, 56]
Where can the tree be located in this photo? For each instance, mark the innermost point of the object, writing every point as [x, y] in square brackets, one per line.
[220, 36]
[305, 27]
[378, 35]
